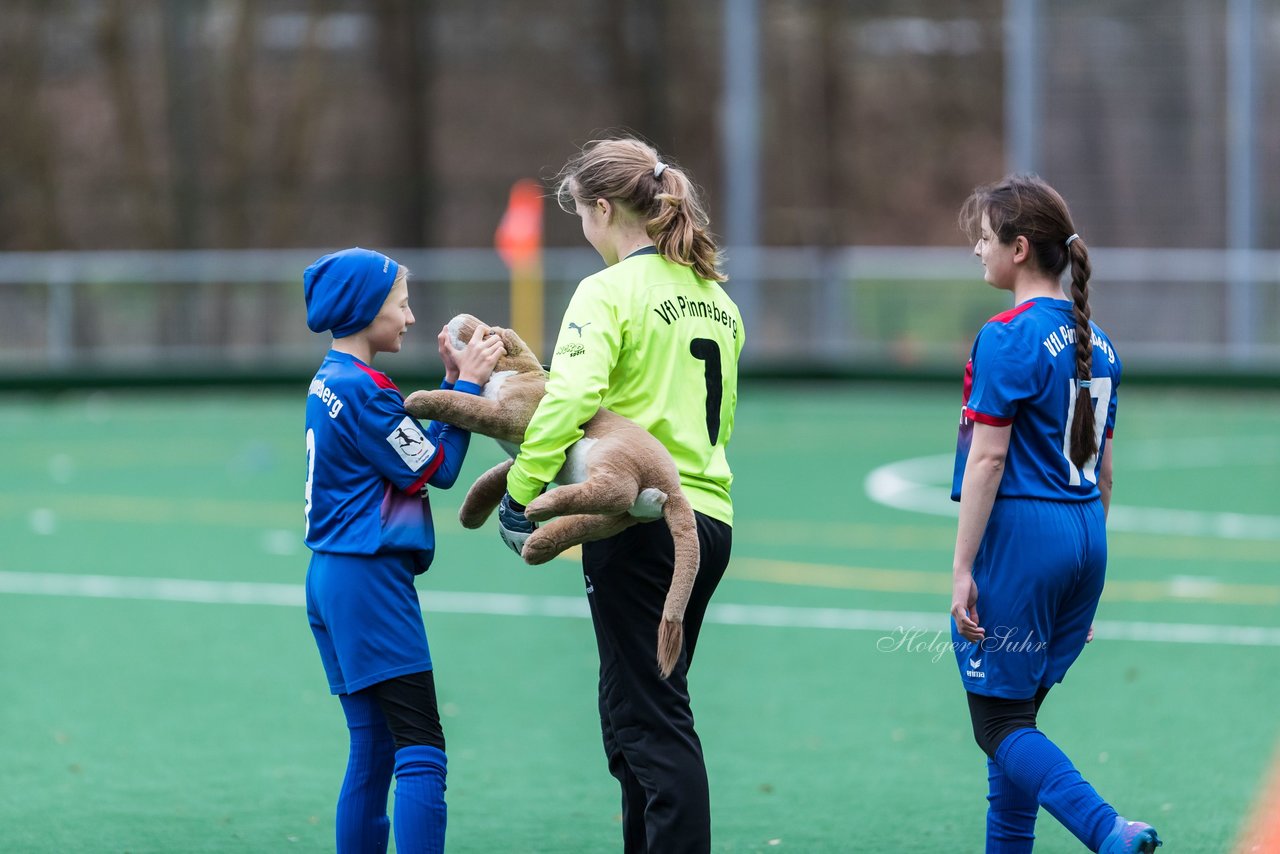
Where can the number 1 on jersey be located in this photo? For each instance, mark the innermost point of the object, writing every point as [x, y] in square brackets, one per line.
[1100, 391]
[708, 351]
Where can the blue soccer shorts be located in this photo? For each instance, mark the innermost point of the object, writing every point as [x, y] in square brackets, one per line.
[1039, 571]
[366, 619]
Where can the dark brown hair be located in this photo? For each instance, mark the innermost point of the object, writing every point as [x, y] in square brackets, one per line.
[1026, 205]
[622, 171]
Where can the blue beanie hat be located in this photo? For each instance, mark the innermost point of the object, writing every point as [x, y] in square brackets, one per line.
[345, 290]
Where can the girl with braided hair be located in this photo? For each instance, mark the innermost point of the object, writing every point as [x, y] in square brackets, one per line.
[1033, 478]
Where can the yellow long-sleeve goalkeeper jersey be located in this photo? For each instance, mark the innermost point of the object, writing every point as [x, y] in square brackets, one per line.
[651, 341]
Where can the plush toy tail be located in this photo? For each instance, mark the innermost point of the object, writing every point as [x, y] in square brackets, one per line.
[670, 643]
[684, 533]
[484, 495]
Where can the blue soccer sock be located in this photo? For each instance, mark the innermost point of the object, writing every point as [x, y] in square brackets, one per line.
[1011, 816]
[362, 822]
[1035, 764]
[420, 813]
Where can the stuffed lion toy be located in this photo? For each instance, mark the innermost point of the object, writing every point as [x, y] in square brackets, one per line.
[615, 476]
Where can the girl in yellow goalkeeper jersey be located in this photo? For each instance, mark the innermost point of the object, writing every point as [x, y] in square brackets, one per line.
[652, 337]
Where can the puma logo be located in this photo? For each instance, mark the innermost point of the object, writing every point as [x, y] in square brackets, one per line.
[578, 328]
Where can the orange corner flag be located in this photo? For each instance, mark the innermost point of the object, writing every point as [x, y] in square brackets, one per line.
[519, 236]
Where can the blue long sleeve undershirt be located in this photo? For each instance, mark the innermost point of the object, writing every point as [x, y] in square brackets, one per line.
[452, 441]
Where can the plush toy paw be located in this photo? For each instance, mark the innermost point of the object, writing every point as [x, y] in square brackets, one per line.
[540, 509]
[513, 527]
[540, 549]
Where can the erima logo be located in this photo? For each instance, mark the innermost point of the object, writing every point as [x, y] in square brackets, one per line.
[386, 262]
[578, 328]
[591, 588]
[975, 664]
[973, 672]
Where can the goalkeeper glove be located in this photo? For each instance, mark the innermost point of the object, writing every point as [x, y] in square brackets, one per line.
[513, 527]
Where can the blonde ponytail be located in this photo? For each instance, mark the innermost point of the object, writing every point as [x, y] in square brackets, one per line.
[629, 172]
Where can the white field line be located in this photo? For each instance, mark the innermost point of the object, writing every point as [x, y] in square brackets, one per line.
[914, 485]
[521, 605]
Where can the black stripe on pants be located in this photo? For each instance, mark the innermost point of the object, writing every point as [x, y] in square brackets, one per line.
[646, 721]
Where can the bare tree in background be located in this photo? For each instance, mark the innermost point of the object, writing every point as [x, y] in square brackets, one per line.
[183, 95]
[291, 151]
[832, 195]
[291, 155]
[29, 212]
[237, 137]
[635, 39]
[32, 201]
[139, 179]
[405, 65]
[141, 183]
[184, 90]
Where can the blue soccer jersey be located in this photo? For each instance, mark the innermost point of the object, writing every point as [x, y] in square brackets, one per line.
[369, 463]
[1022, 372]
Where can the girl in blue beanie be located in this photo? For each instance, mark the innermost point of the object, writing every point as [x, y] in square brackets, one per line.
[368, 525]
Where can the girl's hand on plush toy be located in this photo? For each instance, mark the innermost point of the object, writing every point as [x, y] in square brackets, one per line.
[476, 361]
[446, 355]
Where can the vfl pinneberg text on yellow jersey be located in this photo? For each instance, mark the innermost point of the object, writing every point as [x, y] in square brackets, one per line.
[649, 340]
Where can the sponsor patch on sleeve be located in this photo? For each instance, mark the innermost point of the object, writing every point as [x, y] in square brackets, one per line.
[411, 444]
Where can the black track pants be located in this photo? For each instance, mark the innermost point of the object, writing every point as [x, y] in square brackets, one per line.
[649, 738]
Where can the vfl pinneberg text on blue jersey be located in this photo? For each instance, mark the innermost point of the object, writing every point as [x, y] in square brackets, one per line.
[1022, 374]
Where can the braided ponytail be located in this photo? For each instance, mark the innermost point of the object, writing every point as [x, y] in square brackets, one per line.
[1084, 440]
[1026, 205]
